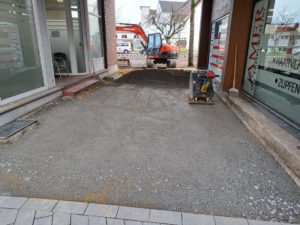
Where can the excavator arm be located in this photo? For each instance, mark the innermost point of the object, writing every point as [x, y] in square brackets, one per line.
[134, 28]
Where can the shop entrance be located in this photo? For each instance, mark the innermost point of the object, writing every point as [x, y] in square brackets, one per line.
[67, 42]
[272, 73]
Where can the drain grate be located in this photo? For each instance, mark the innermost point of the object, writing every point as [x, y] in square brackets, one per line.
[14, 127]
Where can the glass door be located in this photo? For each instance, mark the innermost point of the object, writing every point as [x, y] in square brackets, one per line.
[58, 33]
[95, 34]
[66, 36]
[76, 14]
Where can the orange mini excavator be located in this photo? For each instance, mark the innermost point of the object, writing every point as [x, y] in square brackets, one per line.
[156, 50]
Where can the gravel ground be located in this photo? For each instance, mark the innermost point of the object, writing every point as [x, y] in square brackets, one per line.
[136, 142]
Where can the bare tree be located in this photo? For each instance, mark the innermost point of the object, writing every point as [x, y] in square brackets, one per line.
[169, 24]
[284, 18]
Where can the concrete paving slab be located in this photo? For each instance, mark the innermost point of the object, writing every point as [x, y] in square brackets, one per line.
[61, 219]
[8, 216]
[25, 217]
[79, 220]
[149, 223]
[101, 210]
[12, 202]
[130, 222]
[115, 221]
[40, 214]
[43, 221]
[168, 217]
[196, 219]
[131, 213]
[45, 205]
[70, 207]
[97, 220]
[230, 221]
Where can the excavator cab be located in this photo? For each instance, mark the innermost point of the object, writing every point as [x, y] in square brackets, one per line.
[158, 51]
[154, 44]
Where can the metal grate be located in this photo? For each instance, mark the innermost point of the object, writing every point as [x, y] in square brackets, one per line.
[14, 127]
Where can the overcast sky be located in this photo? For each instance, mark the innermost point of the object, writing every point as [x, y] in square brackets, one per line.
[128, 11]
[291, 6]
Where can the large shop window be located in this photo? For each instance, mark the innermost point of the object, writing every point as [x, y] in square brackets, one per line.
[20, 67]
[217, 45]
[272, 73]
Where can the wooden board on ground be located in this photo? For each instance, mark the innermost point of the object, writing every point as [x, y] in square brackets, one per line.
[123, 62]
[199, 101]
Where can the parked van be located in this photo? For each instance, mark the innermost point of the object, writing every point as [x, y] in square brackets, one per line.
[124, 47]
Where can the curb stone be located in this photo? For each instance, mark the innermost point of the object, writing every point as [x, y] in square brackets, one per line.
[78, 213]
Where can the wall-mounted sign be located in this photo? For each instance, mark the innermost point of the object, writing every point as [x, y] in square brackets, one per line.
[288, 85]
[285, 63]
[257, 31]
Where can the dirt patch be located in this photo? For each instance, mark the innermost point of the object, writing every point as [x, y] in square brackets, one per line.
[13, 181]
[157, 78]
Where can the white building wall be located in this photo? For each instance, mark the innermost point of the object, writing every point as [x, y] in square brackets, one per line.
[129, 35]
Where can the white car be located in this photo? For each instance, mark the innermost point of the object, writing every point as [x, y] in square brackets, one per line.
[124, 47]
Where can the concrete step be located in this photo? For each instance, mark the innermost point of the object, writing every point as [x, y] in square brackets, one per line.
[12, 111]
[81, 80]
[79, 88]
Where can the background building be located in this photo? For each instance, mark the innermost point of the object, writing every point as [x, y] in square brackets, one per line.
[164, 9]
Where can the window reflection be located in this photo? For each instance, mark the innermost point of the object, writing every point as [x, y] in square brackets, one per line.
[217, 45]
[20, 68]
[272, 73]
[95, 28]
[283, 38]
[93, 7]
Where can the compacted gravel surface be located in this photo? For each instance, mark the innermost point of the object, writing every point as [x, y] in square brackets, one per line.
[136, 142]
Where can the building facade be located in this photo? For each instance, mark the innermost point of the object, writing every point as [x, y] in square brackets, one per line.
[262, 38]
[38, 37]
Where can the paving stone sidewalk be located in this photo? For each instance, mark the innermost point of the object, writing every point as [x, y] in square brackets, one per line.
[33, 211]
